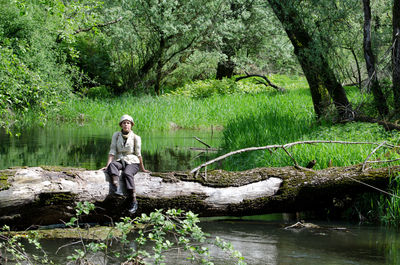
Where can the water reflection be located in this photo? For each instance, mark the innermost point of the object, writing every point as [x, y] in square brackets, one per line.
[87, 147]
[269, 243]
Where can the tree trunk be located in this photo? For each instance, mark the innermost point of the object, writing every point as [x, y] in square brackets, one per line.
[38, 196]
[396, 56]
[379, 98]
[320, 76]
[160, 65]
[225, 69]
[226, 66]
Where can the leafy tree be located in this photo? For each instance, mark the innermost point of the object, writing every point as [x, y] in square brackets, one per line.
[236, 25]
[36, 62]
[246, 31]
[396, 55]
[311, 54]
[379, 98]
[158, 35]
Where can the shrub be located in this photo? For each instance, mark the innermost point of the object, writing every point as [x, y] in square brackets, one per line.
[210, 87]
[155, 229]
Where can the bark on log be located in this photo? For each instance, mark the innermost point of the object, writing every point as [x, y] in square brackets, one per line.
[42, 196]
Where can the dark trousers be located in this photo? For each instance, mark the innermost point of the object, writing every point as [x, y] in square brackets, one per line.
[128, 172]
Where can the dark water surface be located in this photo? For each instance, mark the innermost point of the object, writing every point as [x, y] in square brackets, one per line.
[260, 242]
[269, 243]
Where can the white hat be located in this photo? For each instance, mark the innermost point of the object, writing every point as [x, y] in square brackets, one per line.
[126, 117]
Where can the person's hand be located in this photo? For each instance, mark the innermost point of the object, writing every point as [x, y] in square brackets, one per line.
[103, 168]
[145, 171]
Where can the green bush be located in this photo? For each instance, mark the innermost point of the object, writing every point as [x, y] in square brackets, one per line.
[32, 73]
[162, 230]
[98, 92]
[226, 86]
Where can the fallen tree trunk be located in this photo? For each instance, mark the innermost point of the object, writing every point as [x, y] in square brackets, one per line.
[42, 196]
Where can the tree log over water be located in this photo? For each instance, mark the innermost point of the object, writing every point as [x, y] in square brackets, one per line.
[42, 196]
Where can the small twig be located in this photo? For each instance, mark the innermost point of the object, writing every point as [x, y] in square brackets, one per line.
[198, 155]
[373, 151]
[67, 245]
[198, 139]
[197, 173]
[383, 161]
[294, 161]
[378, 189]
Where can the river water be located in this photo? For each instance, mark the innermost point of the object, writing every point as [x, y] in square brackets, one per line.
[260, 240]
[87, 147]
[268, 242]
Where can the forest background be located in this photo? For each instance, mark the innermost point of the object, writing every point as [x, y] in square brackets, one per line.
[175, 64]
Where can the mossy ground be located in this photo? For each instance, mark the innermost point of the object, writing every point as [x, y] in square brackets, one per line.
[89, 233]
[4, 176]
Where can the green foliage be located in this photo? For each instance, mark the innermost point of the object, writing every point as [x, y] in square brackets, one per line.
[199, 65]
[379, 207]
[388, 206]
[154, 37]
[12, 248]
[158, 113]
[212, 87]
[98, 92]
[36, 55]
[155, 235]
[285, 118]
[243, 30]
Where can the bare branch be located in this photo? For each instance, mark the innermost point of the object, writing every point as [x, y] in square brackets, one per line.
[285, 146]
[182, 49]
[263, 77]
[375, 188]
[373, 151]
[383, 161]
[286, 151]
[198, 139]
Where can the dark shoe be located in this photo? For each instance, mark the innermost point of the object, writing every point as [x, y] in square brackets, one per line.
[133, 208]
[113, 188]
[119, 193]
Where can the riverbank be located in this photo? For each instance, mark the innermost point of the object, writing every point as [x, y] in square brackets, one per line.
[247, 117]
[247, 114]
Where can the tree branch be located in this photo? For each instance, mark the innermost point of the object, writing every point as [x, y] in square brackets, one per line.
[98, 26]
[59, 38]
[269, 83]
[180, 50]
[373, 151]
[284, 147]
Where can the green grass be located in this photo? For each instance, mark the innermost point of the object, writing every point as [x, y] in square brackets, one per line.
[250, 115]
[271, 128]
[255, 116]
[166, 112]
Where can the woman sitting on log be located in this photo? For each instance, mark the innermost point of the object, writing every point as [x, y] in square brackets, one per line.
[125, 155]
